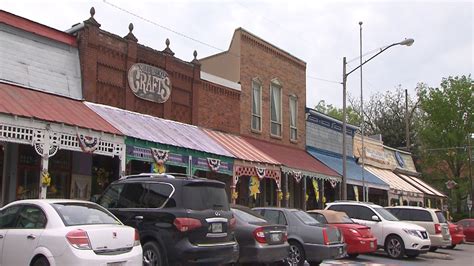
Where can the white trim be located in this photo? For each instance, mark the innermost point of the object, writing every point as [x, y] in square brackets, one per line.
[259, 82]
[296, 116]
[221, 81]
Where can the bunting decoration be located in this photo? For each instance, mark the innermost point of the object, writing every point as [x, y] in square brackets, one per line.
[316, 189]
[159, 168]
[298, 176]
[333, 183]
[214, 164]
[160, 156]
[254, 186]
[260, 172]
[356, 192]
[88, 144]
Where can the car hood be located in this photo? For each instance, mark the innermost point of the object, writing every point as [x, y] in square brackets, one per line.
[403, 225]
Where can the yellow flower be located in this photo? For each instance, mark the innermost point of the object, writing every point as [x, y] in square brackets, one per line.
[45, 179]
[235, 195]
[254, 186]
[280, 195]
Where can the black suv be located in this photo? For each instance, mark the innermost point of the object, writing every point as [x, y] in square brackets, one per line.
[181, 220]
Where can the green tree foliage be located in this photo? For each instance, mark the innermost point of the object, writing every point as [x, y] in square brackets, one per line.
[447, 121]
[353, 116]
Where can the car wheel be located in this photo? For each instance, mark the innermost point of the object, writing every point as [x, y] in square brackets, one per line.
[395, 247]
[41, 261]
[296, 255]
[151, 254]
[451, 247]
[433, 249]
[353, 255]
[314, 263]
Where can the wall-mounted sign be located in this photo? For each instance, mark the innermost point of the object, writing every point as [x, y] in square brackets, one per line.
[149, 83]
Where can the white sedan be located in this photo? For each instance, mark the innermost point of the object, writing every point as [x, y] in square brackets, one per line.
[65, 232]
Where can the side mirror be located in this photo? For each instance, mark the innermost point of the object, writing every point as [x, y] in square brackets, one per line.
[375, 218]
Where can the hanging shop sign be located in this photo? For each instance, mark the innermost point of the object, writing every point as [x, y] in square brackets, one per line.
[149, 83]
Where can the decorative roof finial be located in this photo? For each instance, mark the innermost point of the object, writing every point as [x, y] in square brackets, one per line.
[130, 35]
[92, 11]
[167, 50]
[91, 20]
[195, 60]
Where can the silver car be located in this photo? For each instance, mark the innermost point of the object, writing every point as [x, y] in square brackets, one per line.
[309, 240]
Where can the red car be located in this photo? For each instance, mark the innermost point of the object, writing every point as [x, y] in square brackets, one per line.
[359, 238]
[468, 228]
[457, 235]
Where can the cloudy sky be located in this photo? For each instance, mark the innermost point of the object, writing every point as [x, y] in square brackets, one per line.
[319, 32]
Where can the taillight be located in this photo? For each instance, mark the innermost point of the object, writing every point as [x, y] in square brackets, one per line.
[232, 223]
[186, 224]
[437, 229]
[136, 241]
[325, 236]
[355, 232]
[285, 236]
[78, 239]
[259, 235]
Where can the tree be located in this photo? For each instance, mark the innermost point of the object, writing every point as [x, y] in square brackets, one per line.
[353, 116]
[447, 121]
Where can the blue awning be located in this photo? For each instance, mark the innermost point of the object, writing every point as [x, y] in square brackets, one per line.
[353, 170]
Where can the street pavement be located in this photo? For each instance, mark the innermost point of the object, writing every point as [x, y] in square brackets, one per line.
[462, 255]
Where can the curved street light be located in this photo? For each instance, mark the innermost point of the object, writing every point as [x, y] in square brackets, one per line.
[406, 42]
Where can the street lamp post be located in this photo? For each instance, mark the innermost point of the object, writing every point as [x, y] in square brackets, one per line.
[406, 42]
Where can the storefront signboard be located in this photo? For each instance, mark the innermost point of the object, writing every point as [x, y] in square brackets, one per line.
[149, 83]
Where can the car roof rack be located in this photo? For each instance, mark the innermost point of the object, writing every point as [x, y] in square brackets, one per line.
[158, 175]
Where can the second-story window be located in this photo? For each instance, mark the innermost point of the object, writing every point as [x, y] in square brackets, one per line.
[293, 117]
[256, 105]
[275, 108]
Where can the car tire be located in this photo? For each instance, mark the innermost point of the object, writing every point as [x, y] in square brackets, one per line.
[296, 255]
[152, 254]
[433, 249]
[353, 255]
[41, 261]
[394, 247]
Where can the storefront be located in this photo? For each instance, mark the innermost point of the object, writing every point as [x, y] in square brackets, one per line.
[157, 145]
[49, 144]
[357, 177]
[256, 176]
[303, 177]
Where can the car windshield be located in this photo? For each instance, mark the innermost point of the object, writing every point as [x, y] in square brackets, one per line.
[305, 218]
[78, 213]
[248, 216]
[386, 214]
[339, 218]
[204, 196]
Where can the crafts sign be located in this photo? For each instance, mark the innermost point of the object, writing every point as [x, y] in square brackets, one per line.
[149, 83]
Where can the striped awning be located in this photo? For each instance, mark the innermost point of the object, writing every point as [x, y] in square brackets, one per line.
[395, 182]
[423, 186]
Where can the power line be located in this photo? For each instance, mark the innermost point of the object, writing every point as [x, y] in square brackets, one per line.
[326, 80]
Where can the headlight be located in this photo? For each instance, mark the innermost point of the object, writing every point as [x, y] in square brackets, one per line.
[413, 232]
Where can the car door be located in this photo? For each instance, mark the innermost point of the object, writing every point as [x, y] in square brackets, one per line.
[7, 221]
[363, 215]
[24, 236]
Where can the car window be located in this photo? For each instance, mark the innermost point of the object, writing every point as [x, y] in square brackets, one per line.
[319, 217]
[8, 217]
[31, 217]
[272, 216]
[282, 218]
[385, 214]
[348, 209]
[78, 213]
[248, 216]
[363, 213]
[157, 194]
[305, 218]
[440, 216]
[204, 196]
[110, 198]
[420, 216]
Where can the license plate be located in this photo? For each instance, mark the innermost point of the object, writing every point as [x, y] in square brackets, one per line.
[120, 263]
[275, 237]
[371, 244]
[216, 228]
[340, 250]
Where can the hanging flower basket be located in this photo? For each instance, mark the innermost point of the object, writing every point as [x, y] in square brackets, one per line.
[45, 179]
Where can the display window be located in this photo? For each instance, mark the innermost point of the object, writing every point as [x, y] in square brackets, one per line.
[28, 177]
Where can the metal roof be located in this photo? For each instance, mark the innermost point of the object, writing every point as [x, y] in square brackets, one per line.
[158, 130]
[393, 180]
[240, 148]
[354, 171]
[15, 100]
[293, 157]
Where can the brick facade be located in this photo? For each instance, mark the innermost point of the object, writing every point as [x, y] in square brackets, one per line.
[105, 61]
[250, 57]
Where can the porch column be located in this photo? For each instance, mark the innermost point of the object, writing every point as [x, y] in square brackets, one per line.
[304, 193]
[123, 162]
[285, 189]
[44, 164]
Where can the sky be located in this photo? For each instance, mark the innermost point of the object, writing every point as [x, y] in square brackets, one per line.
[319, 32]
